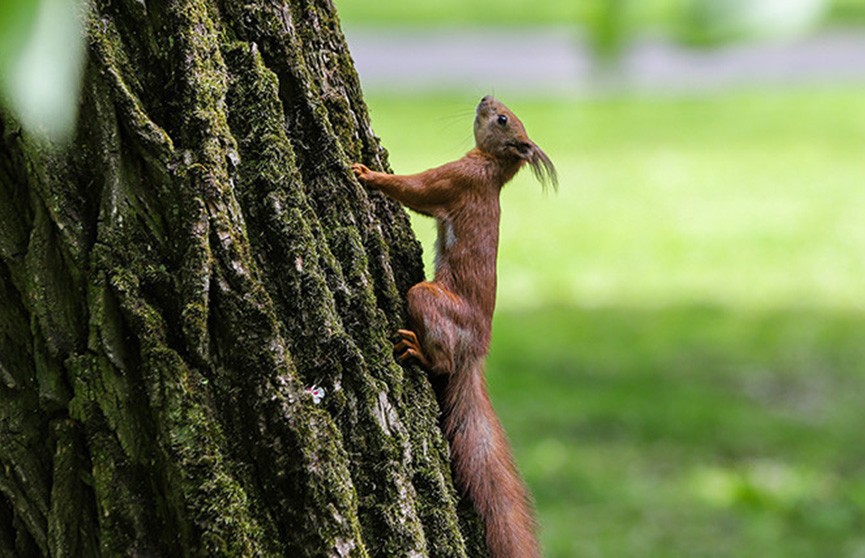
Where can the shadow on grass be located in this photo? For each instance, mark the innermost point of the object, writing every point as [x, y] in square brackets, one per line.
[687, 431]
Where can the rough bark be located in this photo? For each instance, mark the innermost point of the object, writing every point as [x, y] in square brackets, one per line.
[174, 279]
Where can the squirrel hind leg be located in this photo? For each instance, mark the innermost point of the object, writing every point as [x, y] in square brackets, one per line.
[438, 317]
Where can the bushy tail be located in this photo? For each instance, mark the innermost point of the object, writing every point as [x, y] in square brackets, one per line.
[484, 467]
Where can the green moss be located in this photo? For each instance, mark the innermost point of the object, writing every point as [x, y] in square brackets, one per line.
[310, 259]
[207, 493]
[71, 521]
[15, 213]
[53, 295]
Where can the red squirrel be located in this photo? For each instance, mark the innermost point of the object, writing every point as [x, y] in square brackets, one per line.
[451, 317]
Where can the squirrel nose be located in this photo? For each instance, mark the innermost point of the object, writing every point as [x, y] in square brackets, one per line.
[486, 99]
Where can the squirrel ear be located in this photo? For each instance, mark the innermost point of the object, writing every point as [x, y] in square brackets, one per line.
[542, 167]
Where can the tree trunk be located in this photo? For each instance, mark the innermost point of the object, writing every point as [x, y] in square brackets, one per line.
[174, 280]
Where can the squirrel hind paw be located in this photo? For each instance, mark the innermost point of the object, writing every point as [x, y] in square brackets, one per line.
[408, 347]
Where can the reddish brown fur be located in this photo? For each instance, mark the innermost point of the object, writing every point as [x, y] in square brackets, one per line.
[452, 315]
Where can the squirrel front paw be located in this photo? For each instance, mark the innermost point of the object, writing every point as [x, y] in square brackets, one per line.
[361, 172]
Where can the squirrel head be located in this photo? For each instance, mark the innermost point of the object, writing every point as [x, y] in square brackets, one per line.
[498, 132]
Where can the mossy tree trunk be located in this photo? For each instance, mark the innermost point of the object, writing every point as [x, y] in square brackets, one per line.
[174, 279]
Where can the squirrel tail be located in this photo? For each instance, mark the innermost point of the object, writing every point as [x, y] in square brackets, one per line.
[484, 467]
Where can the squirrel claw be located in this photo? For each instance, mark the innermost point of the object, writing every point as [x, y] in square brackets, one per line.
[409, 347]
[360, 170]
[409, 336]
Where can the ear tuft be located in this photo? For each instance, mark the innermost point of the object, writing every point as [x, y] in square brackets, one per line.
[543, 168]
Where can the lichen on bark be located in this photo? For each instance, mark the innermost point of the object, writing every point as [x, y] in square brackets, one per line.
[174, 279]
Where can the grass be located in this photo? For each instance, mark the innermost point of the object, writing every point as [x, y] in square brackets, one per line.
[687, 431]
[670, 14]
[679, 348]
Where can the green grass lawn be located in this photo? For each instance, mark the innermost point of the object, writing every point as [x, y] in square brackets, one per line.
[646, 13]
[679, 347]
[689, 430]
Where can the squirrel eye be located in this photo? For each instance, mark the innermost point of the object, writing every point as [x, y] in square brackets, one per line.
[503, 119]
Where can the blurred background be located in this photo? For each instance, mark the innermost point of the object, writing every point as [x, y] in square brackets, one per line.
[679, 345]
